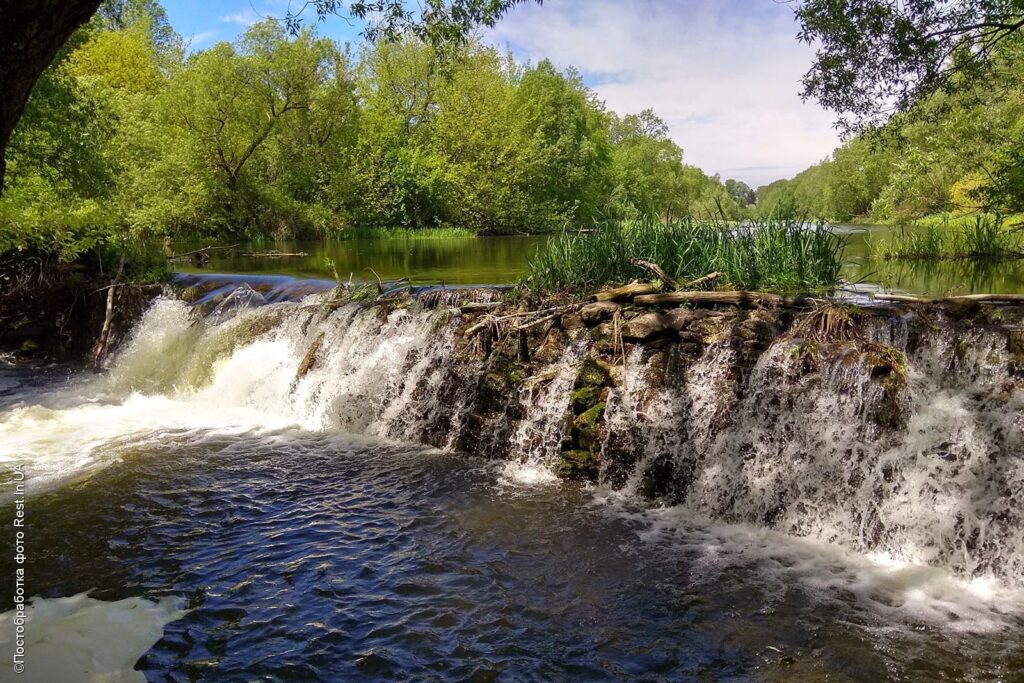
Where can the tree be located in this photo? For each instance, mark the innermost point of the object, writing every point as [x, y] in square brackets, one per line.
[439, 22]
[31, 35]
[740, 191]
[879, 57]
[226, 105]
[648, 176]
[565, 129]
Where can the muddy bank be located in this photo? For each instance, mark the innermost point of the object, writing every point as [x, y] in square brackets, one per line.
[56, 312]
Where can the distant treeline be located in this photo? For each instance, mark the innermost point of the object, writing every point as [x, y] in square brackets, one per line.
[956, 153]
[131, 134]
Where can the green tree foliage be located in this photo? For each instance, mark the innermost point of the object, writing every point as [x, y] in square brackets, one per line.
[875, 57]
[439, 22]
[282, 134]
[958, 152]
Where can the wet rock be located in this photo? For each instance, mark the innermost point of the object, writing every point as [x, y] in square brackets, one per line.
[1015, 342]
[553, 347]
[573, 326]
[592, 374]
[584, 398]
[646, 326]
[586, 427]
[579, 464]
[596, 312]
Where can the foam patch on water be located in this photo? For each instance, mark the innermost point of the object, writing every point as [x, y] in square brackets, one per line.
[79, 638]
[528, 474]
[889, 591]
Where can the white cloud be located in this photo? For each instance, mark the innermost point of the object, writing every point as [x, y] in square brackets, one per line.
[247, 17]
[197, 39]
[724, 74]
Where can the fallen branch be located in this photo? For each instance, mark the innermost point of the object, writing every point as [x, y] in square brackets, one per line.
[274, 254]
[534, 323]
[101, 344]
[627, 291]
[704, 280]
[657, 270]
[201, 251]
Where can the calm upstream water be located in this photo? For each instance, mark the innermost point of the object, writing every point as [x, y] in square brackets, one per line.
[503, 260]
[197, 513]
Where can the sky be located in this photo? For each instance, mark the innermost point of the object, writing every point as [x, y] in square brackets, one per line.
[723, 74]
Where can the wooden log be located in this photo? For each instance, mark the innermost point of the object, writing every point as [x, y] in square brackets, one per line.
[479, 306]
[310, 358]
[698, 297]
[627, 291]
[657, 270]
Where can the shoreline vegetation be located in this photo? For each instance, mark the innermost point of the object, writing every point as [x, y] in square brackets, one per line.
[982, 237]
[773, 255]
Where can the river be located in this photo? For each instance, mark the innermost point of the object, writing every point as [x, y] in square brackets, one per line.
[198, 513]
[504, 260]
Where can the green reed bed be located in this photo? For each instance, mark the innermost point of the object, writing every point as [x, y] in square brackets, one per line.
[769, 255]
[978, 238]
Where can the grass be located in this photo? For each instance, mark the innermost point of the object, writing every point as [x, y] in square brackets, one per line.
[406, 233]
[769, 255]
[982, 237]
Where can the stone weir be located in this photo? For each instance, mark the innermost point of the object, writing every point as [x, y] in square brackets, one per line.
[896, 428]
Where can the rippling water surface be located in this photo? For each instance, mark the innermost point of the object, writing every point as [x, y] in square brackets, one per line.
[293, 555]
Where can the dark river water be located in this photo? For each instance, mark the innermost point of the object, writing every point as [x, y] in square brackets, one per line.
[503, 260]
[293, 555]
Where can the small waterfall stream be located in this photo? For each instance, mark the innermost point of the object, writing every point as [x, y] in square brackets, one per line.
[932, 474]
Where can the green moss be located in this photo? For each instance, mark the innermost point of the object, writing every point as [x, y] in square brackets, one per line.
[579, 464]
[591, 374]
[584, 398]
[592, 416]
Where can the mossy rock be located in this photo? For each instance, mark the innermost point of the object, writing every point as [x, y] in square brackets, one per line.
[1015, 342]
[492, 392]
[579, 464]
[592, 374]
[592, 416]
[584, 398]
[586, 429]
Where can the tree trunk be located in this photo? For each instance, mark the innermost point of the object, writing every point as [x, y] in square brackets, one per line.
[31, 33]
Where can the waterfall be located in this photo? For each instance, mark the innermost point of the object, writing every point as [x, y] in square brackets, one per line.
[812, 440]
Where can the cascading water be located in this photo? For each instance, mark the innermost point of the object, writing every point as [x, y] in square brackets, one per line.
[886, 472]
[771, 445]
[802, 454]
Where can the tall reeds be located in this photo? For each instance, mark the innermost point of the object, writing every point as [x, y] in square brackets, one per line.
[776, 255]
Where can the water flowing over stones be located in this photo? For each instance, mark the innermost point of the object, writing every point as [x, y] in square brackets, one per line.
[897, 429]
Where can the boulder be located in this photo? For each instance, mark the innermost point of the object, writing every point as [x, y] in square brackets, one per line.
[598, 311]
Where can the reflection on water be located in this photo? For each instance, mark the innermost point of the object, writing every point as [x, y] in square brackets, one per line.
[504, 260]
[927, 278]
[457, 261]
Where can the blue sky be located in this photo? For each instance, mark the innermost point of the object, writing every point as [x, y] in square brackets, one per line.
[724, 74]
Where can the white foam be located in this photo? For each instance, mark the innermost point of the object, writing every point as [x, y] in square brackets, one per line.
[79, 638]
